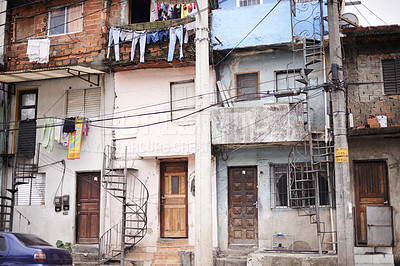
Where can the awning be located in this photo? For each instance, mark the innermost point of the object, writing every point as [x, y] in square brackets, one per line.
[84, 73]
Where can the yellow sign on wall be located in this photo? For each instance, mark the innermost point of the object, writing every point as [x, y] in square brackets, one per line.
[342, 155]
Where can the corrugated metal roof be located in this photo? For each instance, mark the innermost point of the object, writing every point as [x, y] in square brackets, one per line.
[44, 73]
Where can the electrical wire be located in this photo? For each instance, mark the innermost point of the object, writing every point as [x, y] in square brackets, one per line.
[373, 13]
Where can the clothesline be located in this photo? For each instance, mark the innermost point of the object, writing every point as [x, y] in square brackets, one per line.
[156, 36]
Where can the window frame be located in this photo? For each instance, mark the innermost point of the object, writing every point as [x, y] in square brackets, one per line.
[190, 109]
[287, 202]
[65, 23]
[257, 96]
[238, 3]
[33, 184]
[85, 103]
[394, 73]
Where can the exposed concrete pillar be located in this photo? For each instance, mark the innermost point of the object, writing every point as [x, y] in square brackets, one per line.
[203, 221]
[344, 206]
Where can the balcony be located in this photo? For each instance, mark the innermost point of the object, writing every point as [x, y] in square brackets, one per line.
[269, 123]
[156, 54]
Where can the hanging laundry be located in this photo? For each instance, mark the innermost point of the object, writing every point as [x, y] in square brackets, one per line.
[175, 33]
[190, 30]
[38, 50]
[184, 11]
[177, 11]
[60, 136]
[69, 125]
[141, 37]
[75, 141]
[85, 129]
[48, 134]
[126, 35]
[114, 36]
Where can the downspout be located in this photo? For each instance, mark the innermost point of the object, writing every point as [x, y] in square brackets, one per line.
[4, 105]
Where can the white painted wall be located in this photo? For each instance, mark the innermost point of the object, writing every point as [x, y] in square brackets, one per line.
[45, 222]
[148, 91]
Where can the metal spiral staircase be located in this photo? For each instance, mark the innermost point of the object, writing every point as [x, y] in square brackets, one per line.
[133, 195]
[25, 168]
[309, 166]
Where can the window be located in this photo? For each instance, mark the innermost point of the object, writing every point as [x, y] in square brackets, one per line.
[139, 11]
[27, 108]
[297, 191]
[391, 75]
[248, 2]
[182, 100]
[3, 243]
[67, 19]
[32, 193]
[84, 102]
[247, 86]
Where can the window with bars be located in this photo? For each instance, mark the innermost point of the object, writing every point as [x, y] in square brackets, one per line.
[32, 193]
[287, 193]
[248, 2]
[84, 103]
[67, 19]
[391, 75]
[247, 86]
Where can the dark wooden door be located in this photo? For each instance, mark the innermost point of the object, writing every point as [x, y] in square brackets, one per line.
[371, 188]
[88, 208]
[243, 222]
[173, 199]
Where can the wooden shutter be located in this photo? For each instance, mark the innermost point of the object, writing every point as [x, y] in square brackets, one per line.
[27, 138]
[391, 75]
[247, 86]
[84, 103]
[183, 98]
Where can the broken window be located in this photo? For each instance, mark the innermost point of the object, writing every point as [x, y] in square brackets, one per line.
[247, 86]
[33, 192]
[293, 189]
[84, 102]
[391, 75]
[65, 20]
[182, 101]
[248, 2]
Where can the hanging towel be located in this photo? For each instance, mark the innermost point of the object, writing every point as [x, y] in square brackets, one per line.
[60, 136]
[75, 141]
[48, 135]
[38, 50]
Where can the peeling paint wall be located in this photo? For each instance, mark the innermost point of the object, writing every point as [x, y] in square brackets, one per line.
[271, 220]
[380, 148]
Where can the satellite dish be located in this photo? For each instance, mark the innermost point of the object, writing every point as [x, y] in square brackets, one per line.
[349, 16]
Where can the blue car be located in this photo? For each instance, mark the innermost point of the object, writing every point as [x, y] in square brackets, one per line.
[28, 249]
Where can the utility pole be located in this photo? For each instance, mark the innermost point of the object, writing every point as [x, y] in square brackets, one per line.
[203, 218]
[344, 207]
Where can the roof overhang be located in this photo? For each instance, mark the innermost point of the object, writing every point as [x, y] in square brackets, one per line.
[84, 73]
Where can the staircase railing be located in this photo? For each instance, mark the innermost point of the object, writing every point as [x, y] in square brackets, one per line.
[133, 195]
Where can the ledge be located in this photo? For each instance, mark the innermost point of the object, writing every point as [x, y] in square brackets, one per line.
[354, 132]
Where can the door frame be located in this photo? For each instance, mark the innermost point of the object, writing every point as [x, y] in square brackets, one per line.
[255, 167]
[356, 192]
[163, 166]
[76, 205]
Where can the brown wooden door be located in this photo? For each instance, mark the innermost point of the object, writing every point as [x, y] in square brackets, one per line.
[88, 208]
[173, 200]
[243, 222]
[371, 188]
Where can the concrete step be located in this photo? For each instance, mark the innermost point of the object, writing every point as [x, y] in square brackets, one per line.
[374, 259]
[370, 250]
[167, 257]
[231, 262]
[172, 242]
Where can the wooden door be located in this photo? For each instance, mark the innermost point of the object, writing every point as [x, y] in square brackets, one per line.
[88, 208]
[371, 188]
[173, 200]
[243, 218]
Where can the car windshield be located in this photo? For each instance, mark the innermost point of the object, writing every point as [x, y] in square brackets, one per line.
[31, 240]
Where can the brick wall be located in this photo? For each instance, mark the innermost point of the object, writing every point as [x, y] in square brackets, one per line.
[363, 63]
[86, 47]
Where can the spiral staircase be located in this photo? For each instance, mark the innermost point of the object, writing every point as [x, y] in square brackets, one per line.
[119, 181]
